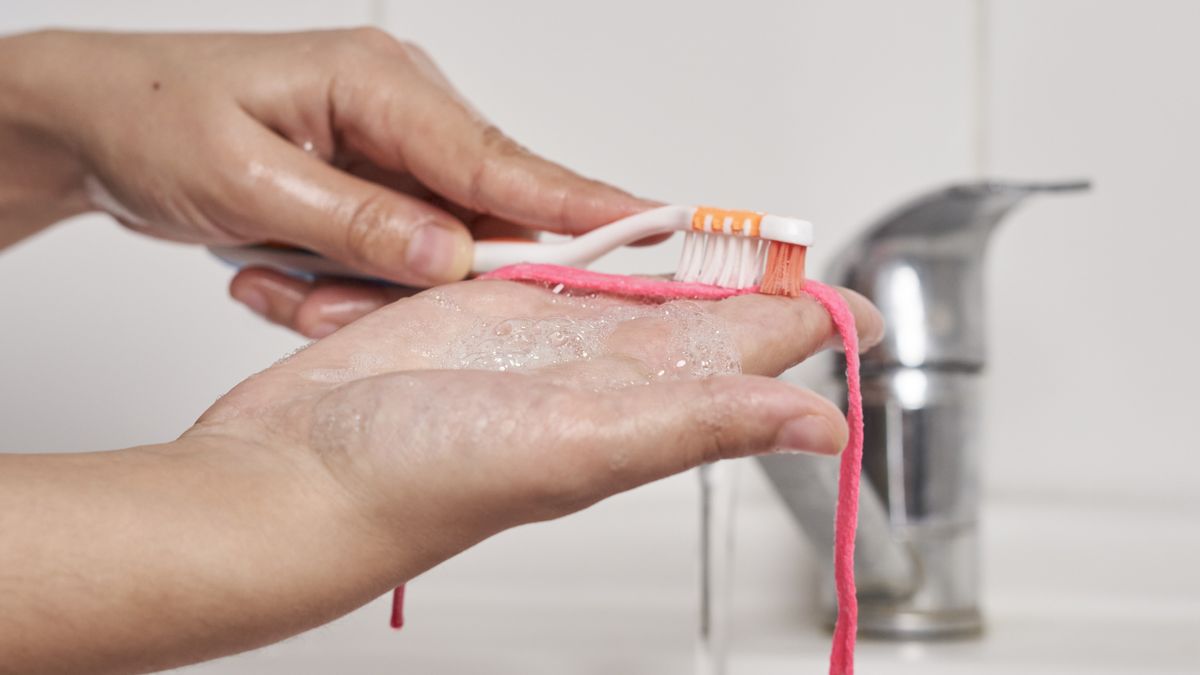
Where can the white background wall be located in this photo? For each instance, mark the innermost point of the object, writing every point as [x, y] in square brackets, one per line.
[831, 110]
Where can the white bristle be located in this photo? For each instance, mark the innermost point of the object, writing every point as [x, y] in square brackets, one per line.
[686, 255]
[733, 256]
[728, 260]
[731, 276]
[705, 253]
[706, 260]
[693, 271]
[753, 271]
[712, 271]
[748, 267]
[691, 262]
[713, 264]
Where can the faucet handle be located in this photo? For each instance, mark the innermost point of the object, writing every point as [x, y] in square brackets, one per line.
[922, 264]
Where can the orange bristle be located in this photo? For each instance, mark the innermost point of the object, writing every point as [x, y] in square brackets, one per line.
[784, 274]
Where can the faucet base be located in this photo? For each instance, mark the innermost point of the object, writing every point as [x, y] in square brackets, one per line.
[892, 624]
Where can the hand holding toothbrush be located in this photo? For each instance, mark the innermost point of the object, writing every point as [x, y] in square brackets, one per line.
[349, 143]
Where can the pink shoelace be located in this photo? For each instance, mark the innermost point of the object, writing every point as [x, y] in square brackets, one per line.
[841, 658]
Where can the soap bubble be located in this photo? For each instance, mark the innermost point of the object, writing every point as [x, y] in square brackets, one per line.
[696, 345]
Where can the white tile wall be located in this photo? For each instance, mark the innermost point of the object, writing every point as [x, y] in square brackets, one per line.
[1093, 298]
[816, 108]
[832, 110]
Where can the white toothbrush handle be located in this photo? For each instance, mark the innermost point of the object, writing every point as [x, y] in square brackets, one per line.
[489, 255]
[581, 250]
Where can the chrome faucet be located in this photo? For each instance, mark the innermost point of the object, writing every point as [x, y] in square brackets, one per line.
[917, 558]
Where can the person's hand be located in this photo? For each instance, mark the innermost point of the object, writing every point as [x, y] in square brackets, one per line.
[357, 463]
[349, 143]
[445, 458]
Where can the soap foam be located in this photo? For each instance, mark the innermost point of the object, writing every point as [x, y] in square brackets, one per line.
[669, 341]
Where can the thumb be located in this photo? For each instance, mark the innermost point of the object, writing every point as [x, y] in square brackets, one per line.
[654, 431]
[297, 199]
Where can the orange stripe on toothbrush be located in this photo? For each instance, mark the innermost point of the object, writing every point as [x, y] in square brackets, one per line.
[739, 220]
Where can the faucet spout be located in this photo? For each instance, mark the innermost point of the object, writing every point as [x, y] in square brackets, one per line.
[917, 544]
[922, 265]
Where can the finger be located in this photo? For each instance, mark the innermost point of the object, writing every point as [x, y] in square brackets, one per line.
[482, 226]
[397, 181]
[290, 196]
[333, 305]
[775, 333]
[314, 310]
[269, 294]
[436, 135]
[477, 165]
[490, 227]
[641, 434]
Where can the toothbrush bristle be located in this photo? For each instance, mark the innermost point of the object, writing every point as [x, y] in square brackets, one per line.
[729, 261]
[744, 249]
[784, 273]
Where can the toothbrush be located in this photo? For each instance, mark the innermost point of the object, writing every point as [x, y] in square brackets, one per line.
[731, 249]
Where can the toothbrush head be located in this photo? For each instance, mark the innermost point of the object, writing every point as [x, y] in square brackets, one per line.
[784, 272]
[744, 249]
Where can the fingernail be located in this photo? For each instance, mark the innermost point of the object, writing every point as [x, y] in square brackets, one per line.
[437, 255]
[322, 329]
[809, 434]
[252, 298]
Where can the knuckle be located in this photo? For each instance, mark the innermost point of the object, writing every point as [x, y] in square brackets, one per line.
[499, 144]
[237, 180]
[366, 228]
[355, 47]
[716, 422]
[496, 148]
[372, 37]
[413, 51]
